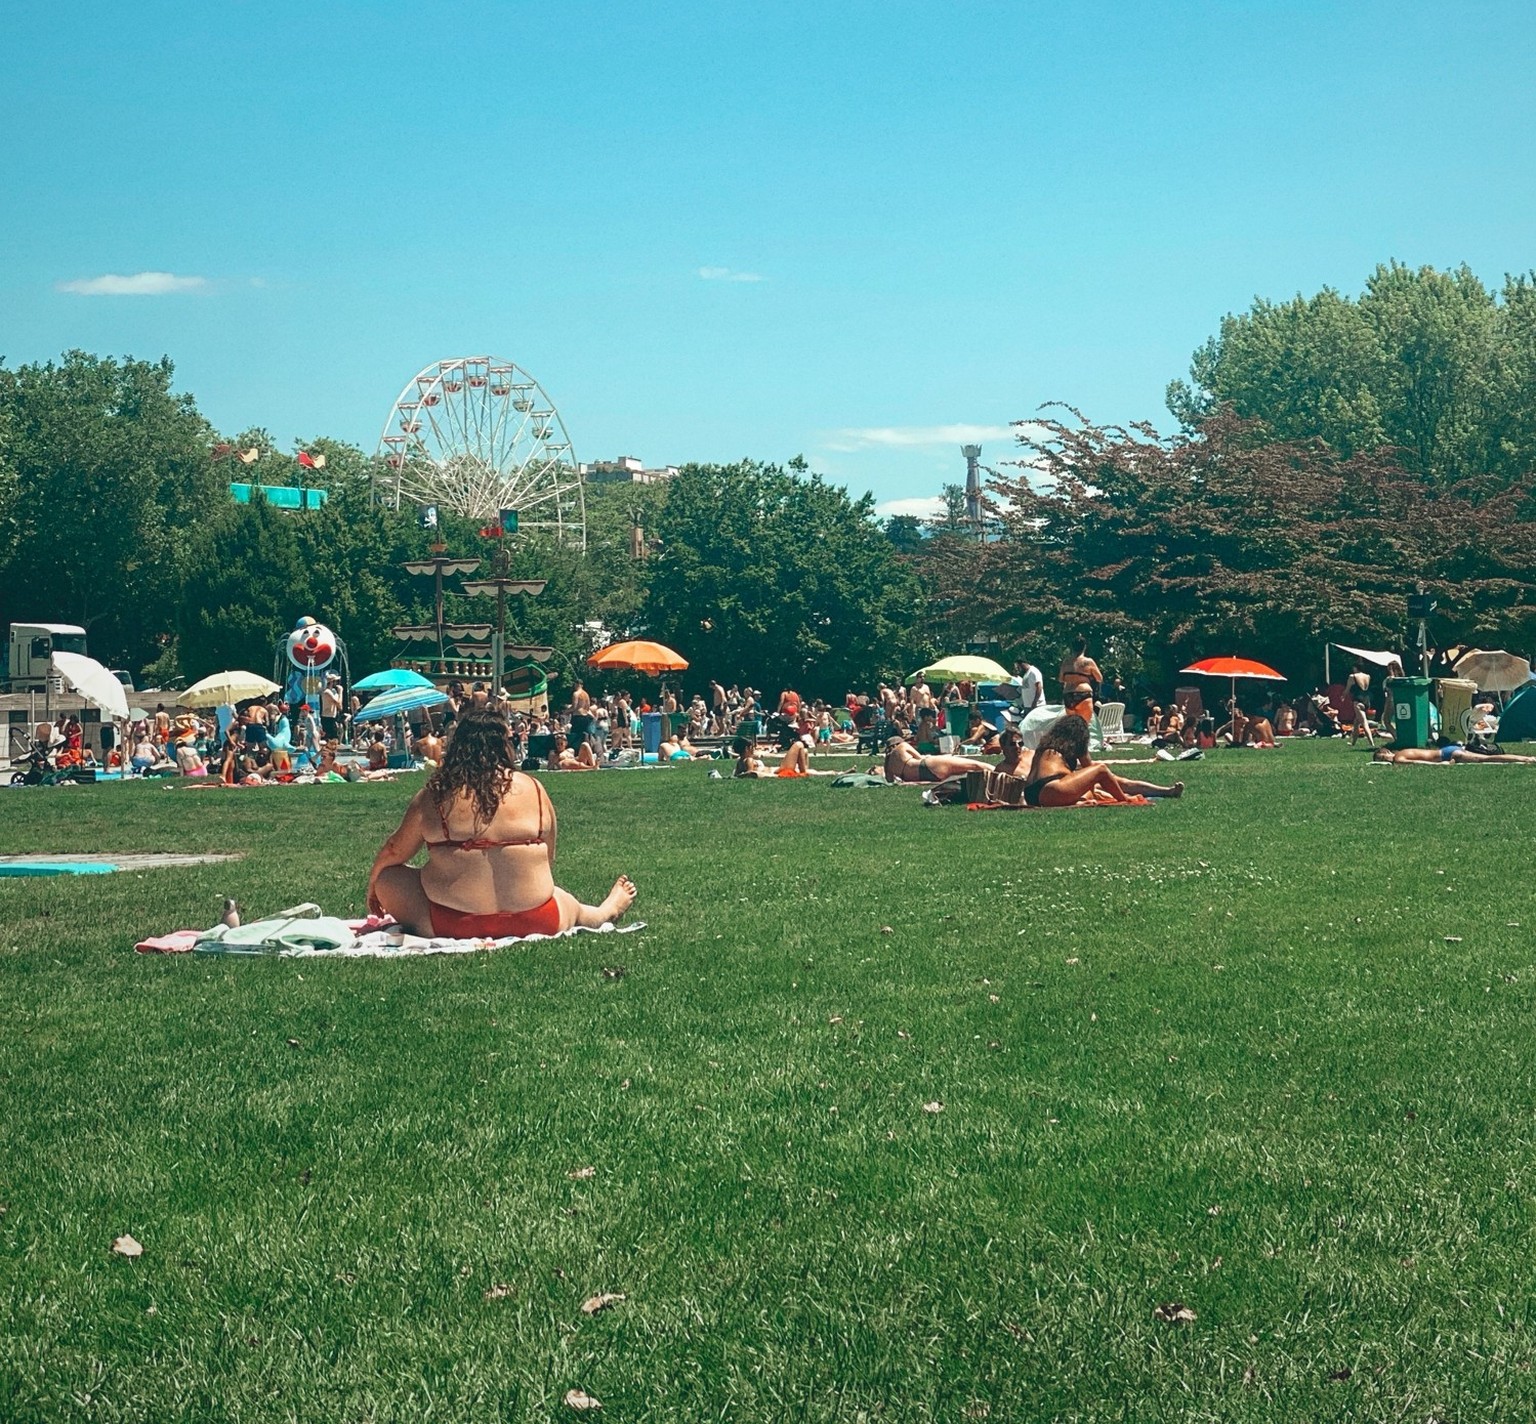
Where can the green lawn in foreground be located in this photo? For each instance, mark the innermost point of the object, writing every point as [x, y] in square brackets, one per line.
[1264, 1052]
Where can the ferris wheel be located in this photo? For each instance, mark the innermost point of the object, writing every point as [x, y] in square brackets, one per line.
[477, 435]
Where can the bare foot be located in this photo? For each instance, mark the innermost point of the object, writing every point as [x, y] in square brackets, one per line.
[620, 898]
[1177, 789]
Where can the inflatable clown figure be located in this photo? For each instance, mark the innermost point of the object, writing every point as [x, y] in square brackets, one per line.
[306, 658]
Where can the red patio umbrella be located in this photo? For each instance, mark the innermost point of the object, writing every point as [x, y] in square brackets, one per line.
[1234, 668]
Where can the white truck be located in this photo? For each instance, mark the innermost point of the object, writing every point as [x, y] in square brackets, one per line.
[31, 652]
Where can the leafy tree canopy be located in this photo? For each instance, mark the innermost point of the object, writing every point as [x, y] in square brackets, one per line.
[1432, 364]
[777, 578]
[1165, 550]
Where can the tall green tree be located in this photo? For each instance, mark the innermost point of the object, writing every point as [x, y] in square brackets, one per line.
[768, 575]
[1431, 364]
[1168, 549]
[247, 582]
[104, 477]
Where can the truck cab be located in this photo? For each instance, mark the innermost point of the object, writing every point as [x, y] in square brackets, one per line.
[32, 648]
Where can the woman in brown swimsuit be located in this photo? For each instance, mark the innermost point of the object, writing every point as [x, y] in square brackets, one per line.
[1080, 677]
[489, 832]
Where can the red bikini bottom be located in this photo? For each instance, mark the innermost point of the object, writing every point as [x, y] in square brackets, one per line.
[504, 924]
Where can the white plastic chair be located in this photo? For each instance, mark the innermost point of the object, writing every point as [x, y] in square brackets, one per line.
[1111, 719]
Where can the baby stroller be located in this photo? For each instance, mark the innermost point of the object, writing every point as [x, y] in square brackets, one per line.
[39, 770]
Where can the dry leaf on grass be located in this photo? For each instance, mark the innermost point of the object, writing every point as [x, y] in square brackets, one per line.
[594, 1303]
[887, 929]
[934, 1107]
[126, 1246]
[499, 1292]
[582, 1173]
[1174, 1312]
[580, 1399]
[615, 971]
[1341, 1374]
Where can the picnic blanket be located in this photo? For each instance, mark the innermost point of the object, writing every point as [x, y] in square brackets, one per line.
[303, 932]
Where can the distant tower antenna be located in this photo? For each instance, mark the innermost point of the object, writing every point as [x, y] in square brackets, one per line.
[972, 455]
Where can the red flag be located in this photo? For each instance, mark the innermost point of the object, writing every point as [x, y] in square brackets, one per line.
[306, 459]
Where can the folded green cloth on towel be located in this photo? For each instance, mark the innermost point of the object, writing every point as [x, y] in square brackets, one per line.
[302, 927]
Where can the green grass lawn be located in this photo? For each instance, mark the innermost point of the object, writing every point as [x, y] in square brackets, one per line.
[1265, 1052]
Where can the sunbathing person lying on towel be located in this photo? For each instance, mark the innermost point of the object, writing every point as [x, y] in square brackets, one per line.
[1062, 773]
[903, 762]
[489, 833]
[1450, 752]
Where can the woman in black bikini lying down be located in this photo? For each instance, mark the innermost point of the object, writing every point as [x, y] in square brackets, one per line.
[903, 762]
[489, 833]
[1062, 773]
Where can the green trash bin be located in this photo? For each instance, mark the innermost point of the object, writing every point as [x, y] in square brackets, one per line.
[1408, 706]
[959, 718]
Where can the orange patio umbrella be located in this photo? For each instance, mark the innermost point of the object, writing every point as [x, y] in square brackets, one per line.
[1234, 668]
[653, 658]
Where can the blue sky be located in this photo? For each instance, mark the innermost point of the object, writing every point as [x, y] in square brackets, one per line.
[855, 231]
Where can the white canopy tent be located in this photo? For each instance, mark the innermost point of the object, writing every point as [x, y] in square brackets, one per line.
[1379, 657]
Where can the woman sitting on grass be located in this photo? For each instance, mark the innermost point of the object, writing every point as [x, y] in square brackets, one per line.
[1063, 774]
[562, 758]
[748, 763]
[489, 833]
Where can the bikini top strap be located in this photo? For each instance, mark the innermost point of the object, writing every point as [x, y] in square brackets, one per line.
[543, 799]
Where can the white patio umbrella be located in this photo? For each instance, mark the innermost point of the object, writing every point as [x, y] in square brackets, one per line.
[1494, 670]
[93, 682]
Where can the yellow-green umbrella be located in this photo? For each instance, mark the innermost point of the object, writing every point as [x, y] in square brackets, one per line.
[222, 687]
[965, 668]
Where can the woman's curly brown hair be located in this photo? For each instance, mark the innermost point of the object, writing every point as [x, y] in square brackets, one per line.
[1067, 736]
[479, 760]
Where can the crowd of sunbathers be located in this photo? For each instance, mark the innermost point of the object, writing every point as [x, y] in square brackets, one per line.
[1059, 771]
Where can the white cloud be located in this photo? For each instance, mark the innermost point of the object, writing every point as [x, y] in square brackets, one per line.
[929, 507]
[914, 436]
[140, 284]
[726, 274]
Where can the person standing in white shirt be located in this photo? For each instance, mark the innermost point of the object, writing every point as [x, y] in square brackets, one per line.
[1031, 684]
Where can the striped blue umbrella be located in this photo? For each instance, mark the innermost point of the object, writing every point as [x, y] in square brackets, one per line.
[390, 679]
[403, 699]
